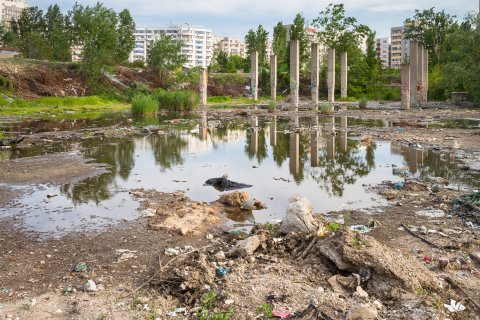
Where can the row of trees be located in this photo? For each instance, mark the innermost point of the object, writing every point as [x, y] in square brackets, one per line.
[105, 37]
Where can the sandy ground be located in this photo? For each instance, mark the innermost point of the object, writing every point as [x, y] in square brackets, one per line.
[38, 278]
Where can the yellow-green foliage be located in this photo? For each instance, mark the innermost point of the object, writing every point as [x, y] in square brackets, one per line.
[144, 104]
[181, 100]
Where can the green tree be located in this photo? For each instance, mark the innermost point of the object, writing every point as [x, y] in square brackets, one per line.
[298, 33]
[126, 40]
[279, 43]
[337, 30]
[373, 62]
[35, 46]
[431, 28]
[57, 34]
[257, 41]
[31, 20]
[95, 30]
[165, 55]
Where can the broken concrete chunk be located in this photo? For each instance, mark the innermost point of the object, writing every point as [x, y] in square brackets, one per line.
[362, 312]
[245, 248]
[431, 213]
[299, 216]
[234, 199]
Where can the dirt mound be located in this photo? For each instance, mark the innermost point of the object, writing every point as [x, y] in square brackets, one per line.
[386, 271]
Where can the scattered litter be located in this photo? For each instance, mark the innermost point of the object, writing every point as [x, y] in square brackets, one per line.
[455, 306]
[89, 286]
[124, 255]
[50, 195]
[281, 314]
[80, 267]
[431, 213]
[360, 228]
[398, 185]
[176, 312]
[171, 252]
[222, 272]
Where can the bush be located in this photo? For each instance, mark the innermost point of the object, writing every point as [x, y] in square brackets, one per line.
[181, 100]
[6, 84]
[137, 88]
[144, 104]
[326, 109]
[362, 103]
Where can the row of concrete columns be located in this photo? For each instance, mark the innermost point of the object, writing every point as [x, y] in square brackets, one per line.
[414, 76]
[295, 74]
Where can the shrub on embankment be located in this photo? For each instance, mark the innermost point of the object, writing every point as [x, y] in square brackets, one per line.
[181, 100]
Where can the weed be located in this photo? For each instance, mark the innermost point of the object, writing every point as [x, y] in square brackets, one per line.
[2, 136]
[362, 103]
[152, 315]
[269, 226]
[181, 100]
[333, 226]
[102, 316]
[421, 292]
[208, 299]
[326, 109]
[265, 309]
[204, 314]
[144, 104]
[135, 303]
[346, 217]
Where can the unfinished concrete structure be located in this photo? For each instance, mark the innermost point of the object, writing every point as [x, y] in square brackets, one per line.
[273, 77]
[425, 76]
[343, 74]
[203, 88]
[420, 71]
[413, 61]
[254, 75]
[405, 77]
[294, 72]
[315, 67]
[331, 74]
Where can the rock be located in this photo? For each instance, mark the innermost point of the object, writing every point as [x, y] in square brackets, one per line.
[344, 285]
[148, 213]
[299, 216]
[171, 252]
[391, 274]
[219, 256]
[89, 286]
[362, 294]
[361, 312]
[245, 248]
[378, 305]
[443, 263]
[235, 199]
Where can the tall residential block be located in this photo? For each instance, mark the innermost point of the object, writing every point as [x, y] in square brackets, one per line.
[399, 47]
[197, 43]
[11, 9]
[382, 47]
[231, 46]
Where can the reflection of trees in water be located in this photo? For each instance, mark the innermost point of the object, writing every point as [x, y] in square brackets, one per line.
[119, 158]
[167, 149]
[428, 163]
[256, 144]
[345, 168]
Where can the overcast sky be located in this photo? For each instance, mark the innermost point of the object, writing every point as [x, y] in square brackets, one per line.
[236, 17]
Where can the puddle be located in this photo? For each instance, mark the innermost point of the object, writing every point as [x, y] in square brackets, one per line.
[315, 158]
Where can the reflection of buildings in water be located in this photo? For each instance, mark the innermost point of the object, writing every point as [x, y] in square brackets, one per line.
[294, 152]
[343, 134]
[273, 132]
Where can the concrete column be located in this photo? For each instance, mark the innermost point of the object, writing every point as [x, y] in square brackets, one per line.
[420, 74]
[294, 72]
[425, 75]
[273, 132]
[413, 72]
[315, 75]
[203, 88]
[331, 74]
[343, 134]
[273, 76]
[343, 74]
[405, 76]
[254, 72]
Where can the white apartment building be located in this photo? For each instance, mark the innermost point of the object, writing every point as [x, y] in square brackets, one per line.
[231, 46]
[11, 9]
[197, 43]
[399, 47]
[382, 46]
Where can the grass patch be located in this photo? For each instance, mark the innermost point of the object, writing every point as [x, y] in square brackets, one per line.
[144, 104]
[325, 108]
[347, 99]
[218, 99]
[333, 227]
[181, 100]
[362, 103]
[62, 107]
[265, 309]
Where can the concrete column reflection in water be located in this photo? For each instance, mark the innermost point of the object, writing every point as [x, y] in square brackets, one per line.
[203, 127]
[343, 134]
[315, 74]
[331, 138]
[294, 152]
[294, 72]
[273, 132]
[314, 146]
[254, 142]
